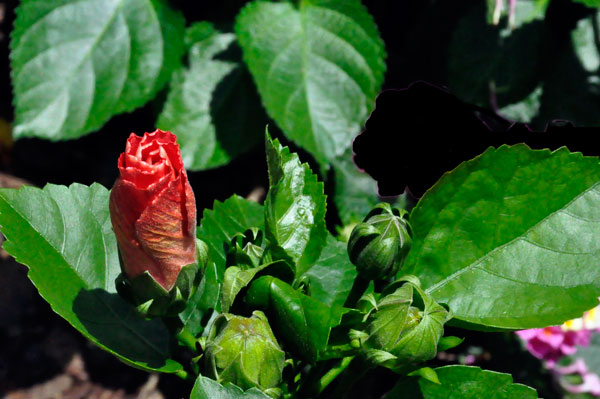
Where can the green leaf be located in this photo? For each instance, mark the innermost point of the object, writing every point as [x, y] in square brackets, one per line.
[76, 63]
[212, 105]
[355, 191]
[463, 382]
[504, 235]
[301, 322]
[318, 67]
[207, 388]
[589, 3]
[220, 224]
[216, 229]
[331, 277]
[64, 236]
[294, 207]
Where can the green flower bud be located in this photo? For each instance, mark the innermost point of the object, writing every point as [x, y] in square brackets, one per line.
[244, 351]
[379, 244]
[401, 335]
[246, 249]
[151, 299]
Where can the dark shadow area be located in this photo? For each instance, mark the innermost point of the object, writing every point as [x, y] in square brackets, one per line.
[36, 344]
[416, 135]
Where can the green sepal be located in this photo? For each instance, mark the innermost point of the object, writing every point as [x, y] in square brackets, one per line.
[243, 351]
[152, 300]
[403, 332]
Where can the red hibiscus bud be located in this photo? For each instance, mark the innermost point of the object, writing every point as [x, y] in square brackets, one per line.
[153, 210]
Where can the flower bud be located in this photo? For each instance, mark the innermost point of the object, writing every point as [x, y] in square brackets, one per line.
[245, 249]
[153, 213]
[379, 244]
[401, 335]
[244, 351]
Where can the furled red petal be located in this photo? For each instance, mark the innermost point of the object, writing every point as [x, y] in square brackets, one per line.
[166, 231]
[153, 210]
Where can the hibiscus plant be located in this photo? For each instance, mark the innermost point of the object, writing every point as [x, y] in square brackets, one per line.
[265, 300]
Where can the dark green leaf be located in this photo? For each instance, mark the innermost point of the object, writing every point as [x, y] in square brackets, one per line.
[318, 67]
[212, 104]
[504, 235]
[463, 382]
[205, 388]
[332, 276]
[301, 322]
[589, 3]
[64, 236]
[294, 207]
[76, 63]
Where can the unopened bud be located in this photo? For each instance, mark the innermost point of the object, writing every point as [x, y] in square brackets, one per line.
[244, 351]
[378, 245]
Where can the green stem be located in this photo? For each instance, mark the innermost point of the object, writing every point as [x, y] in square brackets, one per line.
[334, 372]
[338, 352]
[181, 333]
[358, 289]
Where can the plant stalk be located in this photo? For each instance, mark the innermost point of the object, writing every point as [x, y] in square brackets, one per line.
[358, 289]
[333, 373]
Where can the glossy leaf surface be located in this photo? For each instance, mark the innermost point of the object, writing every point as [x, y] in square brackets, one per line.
[503, 236]
[301, 322]
[64, 236]
[294, 207]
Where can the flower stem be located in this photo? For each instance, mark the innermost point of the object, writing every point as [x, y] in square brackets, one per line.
[181, 333]
[334, 372]
[358, 289]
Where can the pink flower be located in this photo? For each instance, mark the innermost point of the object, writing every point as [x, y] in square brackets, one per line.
[590, 383]
[552, 343]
